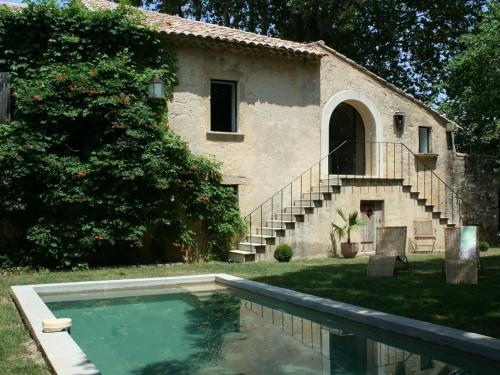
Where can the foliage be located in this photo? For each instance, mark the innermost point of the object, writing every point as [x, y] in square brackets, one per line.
[406, 42]
[283, 253]
[473, 88]
[90, 170]
[350, 223]
[484, 246]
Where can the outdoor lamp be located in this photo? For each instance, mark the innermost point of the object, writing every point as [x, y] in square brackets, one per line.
[399, 121]
[156, 88]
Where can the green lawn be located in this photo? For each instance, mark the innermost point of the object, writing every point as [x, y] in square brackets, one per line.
[420, 293]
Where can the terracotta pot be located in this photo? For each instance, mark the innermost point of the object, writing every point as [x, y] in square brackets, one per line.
[349, 250]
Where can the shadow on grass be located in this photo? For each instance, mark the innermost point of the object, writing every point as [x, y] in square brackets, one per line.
[420, 293]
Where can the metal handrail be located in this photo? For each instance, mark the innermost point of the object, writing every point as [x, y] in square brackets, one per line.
[296, 178]
[385, 147]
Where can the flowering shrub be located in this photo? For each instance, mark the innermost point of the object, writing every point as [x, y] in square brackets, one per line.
[89, 167]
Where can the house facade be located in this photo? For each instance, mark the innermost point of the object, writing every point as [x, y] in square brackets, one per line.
[301, 130]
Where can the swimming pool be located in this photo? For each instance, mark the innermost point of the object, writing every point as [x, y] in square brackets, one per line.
[220, 324]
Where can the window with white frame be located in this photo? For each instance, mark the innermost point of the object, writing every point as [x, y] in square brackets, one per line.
[223, 114]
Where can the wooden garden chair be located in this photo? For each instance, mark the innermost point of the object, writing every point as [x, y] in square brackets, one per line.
[390, 252]
[424, 235]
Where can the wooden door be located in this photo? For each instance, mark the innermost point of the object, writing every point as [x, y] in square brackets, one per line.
[373, 215]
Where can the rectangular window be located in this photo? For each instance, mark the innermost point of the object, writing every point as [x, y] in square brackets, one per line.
[223, 106]
[424, 140]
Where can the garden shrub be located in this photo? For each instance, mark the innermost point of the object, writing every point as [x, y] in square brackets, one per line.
[484, 246]
[89, 167]
[283, 253]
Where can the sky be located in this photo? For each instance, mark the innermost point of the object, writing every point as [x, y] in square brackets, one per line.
[11, 1]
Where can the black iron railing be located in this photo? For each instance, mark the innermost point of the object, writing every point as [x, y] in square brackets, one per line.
[374, 161]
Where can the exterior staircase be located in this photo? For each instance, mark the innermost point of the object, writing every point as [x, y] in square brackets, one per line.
[263, 235]
[280, 215]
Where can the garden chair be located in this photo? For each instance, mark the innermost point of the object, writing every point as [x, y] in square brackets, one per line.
[390, 252]
[424, 235]
[461, 255]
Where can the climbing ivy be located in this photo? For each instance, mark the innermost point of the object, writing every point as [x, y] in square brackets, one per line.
[90, 170]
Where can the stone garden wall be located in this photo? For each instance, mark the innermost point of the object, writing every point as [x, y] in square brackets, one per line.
[475, 178]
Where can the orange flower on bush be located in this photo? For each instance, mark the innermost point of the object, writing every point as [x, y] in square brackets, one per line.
[98, 238]
[59, 78]
[117, 98]
[177, 245]
[31, 147]
[126, 100]
[167, 126]
[81, 174]
[72, 88]
[205, 198]
[37, 98]
[117, 126]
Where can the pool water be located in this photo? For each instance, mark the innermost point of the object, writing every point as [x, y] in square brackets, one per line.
[231, 332]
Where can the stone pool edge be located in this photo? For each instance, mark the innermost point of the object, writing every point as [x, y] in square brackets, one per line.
[469, 342]
[65, 357]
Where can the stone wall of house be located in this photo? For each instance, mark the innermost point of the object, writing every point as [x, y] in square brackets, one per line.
[278, 118]
[473, 175]
[284, 110]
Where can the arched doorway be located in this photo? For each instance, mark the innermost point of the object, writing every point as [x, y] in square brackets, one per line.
[346, 124]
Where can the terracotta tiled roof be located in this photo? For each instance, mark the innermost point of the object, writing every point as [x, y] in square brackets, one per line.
[181, 27]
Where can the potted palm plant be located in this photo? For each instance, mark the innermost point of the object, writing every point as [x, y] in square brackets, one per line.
[350, 223]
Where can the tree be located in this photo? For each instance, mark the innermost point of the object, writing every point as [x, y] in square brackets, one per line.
[472, 87]
[89, 169]
[407, 42]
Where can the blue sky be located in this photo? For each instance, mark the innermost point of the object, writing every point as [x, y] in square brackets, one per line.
[11, 1]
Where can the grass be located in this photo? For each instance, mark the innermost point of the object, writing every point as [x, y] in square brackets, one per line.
[420, 294]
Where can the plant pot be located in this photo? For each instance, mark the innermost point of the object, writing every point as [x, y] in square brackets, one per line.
[349, 250]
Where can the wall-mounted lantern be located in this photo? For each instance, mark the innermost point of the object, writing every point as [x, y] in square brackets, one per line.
[399, 121]
[451, 127]
[156, 88]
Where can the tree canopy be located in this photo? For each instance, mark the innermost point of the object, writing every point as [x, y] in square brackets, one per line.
[90, 170]
[472, 87]
[407, 42]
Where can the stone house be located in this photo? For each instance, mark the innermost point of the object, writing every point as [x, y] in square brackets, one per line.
[302, 130]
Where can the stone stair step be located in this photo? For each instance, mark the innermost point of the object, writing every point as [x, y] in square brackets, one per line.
[252, 247]
[325, 188]
[289, 216]
[315, 196]
[308, 202]
[240, 256]
[299, 210]
[281, 224]
[261, 239]
[271, 231]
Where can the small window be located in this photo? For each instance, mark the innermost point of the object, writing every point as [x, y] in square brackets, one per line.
[424, 140]
[223, 106]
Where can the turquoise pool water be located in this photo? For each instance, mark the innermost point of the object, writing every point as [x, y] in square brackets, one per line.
[235, 333]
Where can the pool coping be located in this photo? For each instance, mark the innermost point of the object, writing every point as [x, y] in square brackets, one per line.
[65, 357]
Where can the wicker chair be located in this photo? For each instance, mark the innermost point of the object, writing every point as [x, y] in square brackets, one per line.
[390, 252]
